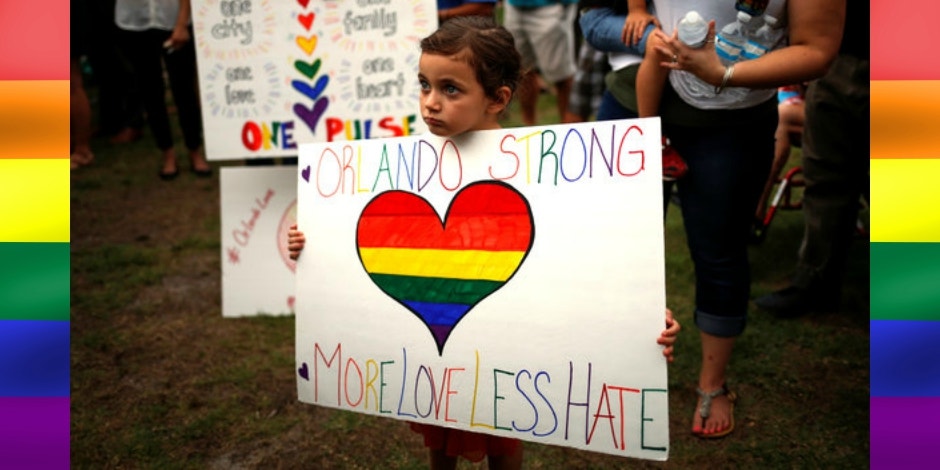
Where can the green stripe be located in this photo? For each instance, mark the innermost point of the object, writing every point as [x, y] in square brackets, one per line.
[432, 289]
[34, 281]
[905, 281]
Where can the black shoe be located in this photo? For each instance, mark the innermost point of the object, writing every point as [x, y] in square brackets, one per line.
[169, 176]
[793, 301]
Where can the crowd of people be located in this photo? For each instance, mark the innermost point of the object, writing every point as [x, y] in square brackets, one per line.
[730, 126]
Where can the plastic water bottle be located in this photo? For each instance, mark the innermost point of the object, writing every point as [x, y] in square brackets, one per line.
[693, 29]
[763, 39]
[750, 28]
[729, 45]
[730, 41]
[751, 7]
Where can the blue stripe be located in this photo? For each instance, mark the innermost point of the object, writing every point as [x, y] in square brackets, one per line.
[34, 358]
[905, 358]
[438, 313]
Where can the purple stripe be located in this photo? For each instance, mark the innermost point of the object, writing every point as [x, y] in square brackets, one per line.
[904, 432]
[34, 432]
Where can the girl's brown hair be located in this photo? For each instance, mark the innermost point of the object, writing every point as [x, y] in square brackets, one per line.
[485, 46]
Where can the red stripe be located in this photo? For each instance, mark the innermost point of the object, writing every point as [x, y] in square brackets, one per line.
[904, 39]
[34, 40]
[397, 203]
[488, 198]
[490, 233]
[487, 216]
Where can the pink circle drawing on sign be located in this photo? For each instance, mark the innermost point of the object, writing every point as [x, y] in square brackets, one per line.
[289, 218]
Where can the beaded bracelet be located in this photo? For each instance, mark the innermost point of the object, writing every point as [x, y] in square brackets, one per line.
[729, 72]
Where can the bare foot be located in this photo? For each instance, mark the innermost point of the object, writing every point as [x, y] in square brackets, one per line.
[81, 157]
[198, 162]
[170, 167]
[126, 135]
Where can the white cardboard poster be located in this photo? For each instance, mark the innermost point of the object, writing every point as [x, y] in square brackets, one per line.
[274, 74]
[508, 282]
[259, 204]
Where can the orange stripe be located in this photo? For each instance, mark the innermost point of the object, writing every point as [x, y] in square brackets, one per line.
[905, 119]
[34, 119]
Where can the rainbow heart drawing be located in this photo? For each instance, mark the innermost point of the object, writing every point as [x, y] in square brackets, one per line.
[439, 270]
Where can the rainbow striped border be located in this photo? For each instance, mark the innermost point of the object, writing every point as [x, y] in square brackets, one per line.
[905, 235]
[905, 249]
[34, 235]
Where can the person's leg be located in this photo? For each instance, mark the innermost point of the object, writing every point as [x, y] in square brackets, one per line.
[511, 461]
[563, 86]
[79, 107]
[132, 102]
[582, 89]
[144, 50]
[529, 97]
[716, 354]
[651, 77]
[717, 197]
[101, 56]
[835, 169]
[79, 118]
[790, 123]
[516, 21]
[563, 94]
[611, 109]
[551, 33]
[181, 69]
[603, 29]
[439, 460]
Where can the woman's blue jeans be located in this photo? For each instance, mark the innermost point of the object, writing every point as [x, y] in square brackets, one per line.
[728, 165]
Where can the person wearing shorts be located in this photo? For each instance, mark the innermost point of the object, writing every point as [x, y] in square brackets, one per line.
[544, 34]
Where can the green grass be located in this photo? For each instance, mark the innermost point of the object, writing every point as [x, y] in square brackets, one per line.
[161, 380]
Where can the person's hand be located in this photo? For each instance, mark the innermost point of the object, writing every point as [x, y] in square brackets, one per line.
[703, 62]
[634, 26]
[178, 38]
[668, 337]
[295, 242]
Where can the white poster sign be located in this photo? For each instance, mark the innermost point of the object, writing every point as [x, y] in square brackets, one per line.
[259, 204]
[274, 74]
[508, 282]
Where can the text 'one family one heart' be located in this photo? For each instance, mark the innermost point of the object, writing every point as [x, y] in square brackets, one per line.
[438, 269]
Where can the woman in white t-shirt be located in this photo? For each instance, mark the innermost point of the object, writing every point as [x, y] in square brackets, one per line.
[721, 119]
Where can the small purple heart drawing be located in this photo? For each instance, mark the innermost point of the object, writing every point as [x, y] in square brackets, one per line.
[304, 372]
[305, 174]
[312, 92]
[311, 116]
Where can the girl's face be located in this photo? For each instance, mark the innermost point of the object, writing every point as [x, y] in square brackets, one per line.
[452, 100]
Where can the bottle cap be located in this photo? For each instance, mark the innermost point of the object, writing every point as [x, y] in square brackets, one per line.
[744, 17]
[693, 29]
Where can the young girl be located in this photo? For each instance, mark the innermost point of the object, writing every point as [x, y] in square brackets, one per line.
[469, 70]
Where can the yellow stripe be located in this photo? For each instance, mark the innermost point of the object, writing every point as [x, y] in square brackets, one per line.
[905, 197]
[453, 264]
[34, 119]
[905, 117]
[34, 200]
